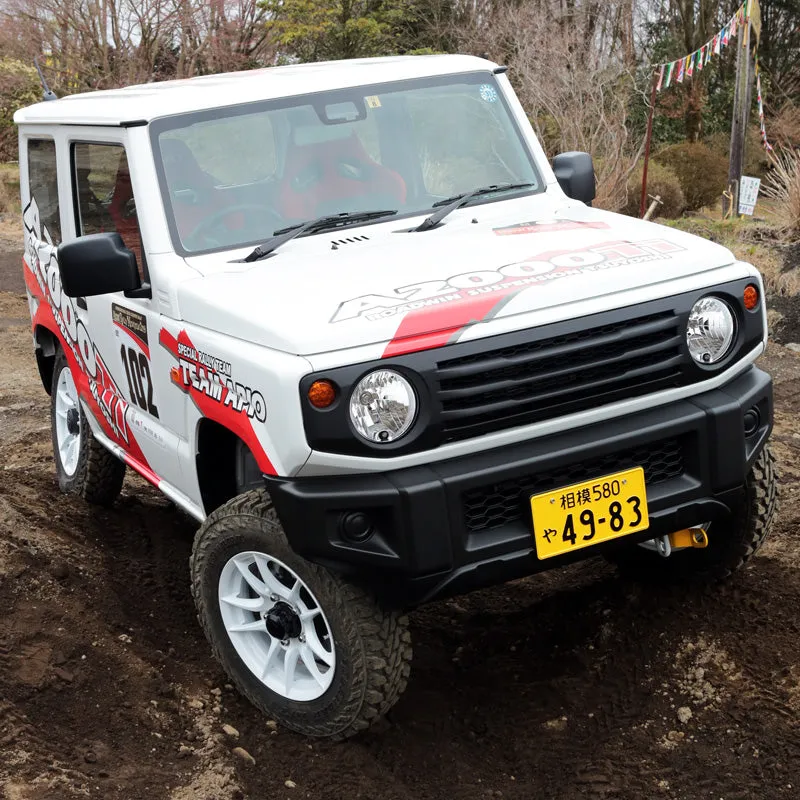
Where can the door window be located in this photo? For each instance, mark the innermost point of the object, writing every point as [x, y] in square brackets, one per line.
[104, 195]
[43, 182]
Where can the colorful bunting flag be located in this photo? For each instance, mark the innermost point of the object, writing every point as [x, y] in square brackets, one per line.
[676, 71]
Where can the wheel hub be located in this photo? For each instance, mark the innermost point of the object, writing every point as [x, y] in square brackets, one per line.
[283, 622]
[73, 421]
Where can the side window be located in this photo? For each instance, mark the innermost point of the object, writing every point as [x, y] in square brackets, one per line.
[43, 182]
[104, 195]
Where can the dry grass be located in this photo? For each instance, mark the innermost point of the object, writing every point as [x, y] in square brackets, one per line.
[9, 188]
[756, 243]
[783, 185]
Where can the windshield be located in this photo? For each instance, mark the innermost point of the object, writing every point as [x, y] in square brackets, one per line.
[231, 176]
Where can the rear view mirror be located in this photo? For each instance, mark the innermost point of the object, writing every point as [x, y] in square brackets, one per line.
[575, 174]
[97, 264]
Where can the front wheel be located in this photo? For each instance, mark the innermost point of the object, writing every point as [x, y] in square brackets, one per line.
[83, 465]
[310, 650]
[732, 542]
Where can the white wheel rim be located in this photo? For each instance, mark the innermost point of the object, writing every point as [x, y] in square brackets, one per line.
[68, 422]
[301, 665]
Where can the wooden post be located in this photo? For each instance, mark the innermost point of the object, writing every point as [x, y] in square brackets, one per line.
[749, 79]
[643, 201]
[741, 113]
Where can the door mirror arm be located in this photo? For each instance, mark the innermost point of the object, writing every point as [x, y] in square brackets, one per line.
[144, 291]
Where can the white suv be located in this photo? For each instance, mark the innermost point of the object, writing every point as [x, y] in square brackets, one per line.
[349, 318]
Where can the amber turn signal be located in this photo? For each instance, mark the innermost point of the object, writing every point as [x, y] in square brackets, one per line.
[321, 394]
[750, 297]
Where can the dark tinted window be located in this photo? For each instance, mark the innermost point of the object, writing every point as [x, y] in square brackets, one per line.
[43, 182]
[104, 194]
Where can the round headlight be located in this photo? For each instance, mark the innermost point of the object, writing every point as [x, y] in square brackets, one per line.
[710, 331]
[383, 406]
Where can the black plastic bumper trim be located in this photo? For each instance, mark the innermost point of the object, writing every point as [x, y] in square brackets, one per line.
[421, 548]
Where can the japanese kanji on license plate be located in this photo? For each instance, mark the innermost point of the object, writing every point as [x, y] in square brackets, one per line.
[587, 513]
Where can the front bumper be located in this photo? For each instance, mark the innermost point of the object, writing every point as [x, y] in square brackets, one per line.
[461, 524]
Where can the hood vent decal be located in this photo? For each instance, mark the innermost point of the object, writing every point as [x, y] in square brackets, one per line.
[337, 243]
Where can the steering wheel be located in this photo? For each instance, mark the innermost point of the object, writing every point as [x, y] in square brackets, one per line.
[203, 232]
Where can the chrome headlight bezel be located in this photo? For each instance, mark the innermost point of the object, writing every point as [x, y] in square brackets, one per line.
[711, 330]
[370, 417]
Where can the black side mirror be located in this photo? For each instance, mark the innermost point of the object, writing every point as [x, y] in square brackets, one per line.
[575, 174]
[97, 264]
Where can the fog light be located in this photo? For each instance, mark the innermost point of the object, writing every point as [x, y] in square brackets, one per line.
[355, 526]
[752, 421]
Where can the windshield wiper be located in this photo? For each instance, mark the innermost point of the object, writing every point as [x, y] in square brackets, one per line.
[283, 235]
[450, 204]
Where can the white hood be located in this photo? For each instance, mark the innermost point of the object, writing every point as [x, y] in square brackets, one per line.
[410, 291]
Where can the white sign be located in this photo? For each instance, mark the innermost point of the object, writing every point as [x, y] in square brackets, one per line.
[748, 194]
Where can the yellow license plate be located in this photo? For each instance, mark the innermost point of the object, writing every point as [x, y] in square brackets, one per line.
[588, 513]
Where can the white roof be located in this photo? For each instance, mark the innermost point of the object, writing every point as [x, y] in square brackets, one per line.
[149, 101]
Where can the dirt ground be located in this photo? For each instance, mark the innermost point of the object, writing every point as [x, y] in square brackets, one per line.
[573, 684]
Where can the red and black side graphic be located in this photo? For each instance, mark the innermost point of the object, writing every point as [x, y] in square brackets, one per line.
[209, 382]
[548, 227]
[56, 312]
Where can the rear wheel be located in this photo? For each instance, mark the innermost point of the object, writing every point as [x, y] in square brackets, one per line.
[732, 542]
[306, 647]
[83, 465]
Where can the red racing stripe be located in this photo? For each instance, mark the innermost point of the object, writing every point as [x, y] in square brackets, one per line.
[216, 409]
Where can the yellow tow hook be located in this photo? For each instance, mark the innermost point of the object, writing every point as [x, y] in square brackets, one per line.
[689, 537]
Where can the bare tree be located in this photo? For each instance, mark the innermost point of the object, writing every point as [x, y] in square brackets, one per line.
[97, 44]
[571, 62]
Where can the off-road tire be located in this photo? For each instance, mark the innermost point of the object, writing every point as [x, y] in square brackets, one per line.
[99, 475]
[373, 646]
[732, 542]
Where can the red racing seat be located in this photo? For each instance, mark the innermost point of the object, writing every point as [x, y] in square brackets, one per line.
[319, 176]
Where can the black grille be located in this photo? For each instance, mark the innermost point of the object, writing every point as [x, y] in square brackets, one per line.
[537, 380]
[498, 504]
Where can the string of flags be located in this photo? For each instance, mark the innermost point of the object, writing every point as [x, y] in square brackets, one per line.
[683, 68]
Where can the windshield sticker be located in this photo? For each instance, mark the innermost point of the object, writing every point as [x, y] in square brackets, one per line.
[462, 289]
[373, 101]
[488, 93]
[548, 227]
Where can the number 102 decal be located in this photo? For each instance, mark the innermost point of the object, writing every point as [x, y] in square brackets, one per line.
[140, 385]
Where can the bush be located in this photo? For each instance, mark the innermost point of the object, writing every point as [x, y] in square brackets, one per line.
[19, 86]
[756, 159]
[783, 186]
[703, 174]
[661, 181]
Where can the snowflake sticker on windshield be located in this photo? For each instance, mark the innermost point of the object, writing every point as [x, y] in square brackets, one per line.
[488, 93]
